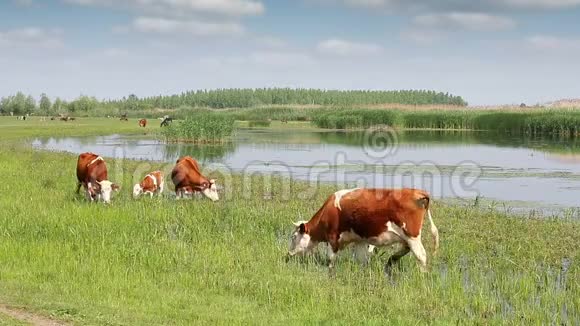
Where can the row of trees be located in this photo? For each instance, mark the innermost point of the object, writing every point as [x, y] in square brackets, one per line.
[226, 98]
[21, 104]
[243, 98]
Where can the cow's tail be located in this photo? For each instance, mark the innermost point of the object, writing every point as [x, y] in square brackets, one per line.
[424, 201]
[434, 231]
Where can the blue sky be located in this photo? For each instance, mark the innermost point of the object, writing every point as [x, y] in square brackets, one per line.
[488, 51]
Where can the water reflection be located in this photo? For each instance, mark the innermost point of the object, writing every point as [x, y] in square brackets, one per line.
[543, 171]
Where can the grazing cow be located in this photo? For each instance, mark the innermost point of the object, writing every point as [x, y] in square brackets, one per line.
[92, 175]
[124, 117]
[377, 217]
[167, 120]
[151, 184]
[143, 123]
[188, 179]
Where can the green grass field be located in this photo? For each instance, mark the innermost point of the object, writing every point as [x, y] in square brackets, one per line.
[161, 261]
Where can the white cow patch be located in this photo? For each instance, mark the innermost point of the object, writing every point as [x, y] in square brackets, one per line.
[414, 244]
[137, 190]
[98, 158]
[339, 194]
[153, 179]
[386, 238]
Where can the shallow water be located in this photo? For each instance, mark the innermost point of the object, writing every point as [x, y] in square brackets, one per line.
[538, 173]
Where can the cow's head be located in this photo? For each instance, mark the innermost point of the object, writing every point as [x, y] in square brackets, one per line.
[105, 188]
[209, 189]
[137, 190]
[300, 240]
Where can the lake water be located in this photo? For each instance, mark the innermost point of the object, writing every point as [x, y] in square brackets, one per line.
[538, 173]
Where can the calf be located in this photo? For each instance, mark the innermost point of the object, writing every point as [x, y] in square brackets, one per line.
[376, 217]
[143, 123]
[92, 175]
[187, 178]
[151, 184]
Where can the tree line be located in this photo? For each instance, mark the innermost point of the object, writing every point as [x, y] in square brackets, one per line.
[226, 98]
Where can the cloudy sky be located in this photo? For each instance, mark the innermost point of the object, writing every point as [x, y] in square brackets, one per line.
[488, 51]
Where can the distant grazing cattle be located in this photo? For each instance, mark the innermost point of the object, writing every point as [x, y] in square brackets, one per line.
[166, 121]
[124, 117]
[376, 217]
[66, 118]
[188, 179]
[151, 184]
[21, 117]
[143, 123]
[92, 175]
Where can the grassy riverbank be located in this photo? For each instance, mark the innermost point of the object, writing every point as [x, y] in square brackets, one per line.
[153, 261]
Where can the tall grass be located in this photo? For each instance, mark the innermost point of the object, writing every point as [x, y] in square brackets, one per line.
[534, 122]
[189, 262]
[200, 127]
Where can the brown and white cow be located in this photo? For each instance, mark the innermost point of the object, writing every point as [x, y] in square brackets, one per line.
[151, 184]
[143, 123]
[92, 175]
[376, 217]
[188, 179]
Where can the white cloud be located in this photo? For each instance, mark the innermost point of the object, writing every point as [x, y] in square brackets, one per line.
[181, 7]
[464, 21]
[455, 5]
[348, 48]
[32, 37]
[548, 42]
[188, 27]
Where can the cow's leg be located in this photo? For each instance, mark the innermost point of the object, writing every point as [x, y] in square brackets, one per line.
[333, 247]
[362, 252]
[396, 257]
[418, 250]
[160, 189]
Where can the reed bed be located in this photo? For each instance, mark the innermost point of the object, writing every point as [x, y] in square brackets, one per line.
[201, 127]
[562, 122]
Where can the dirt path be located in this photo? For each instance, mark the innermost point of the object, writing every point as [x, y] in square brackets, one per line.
[29, 317]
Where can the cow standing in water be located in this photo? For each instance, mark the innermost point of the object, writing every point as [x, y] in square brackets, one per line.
[188, 179]
[143, 123]
[92, 175]
[151, 184]
[376, 217]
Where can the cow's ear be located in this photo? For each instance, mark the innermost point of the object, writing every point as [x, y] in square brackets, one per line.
[302, 228]
[115, 187]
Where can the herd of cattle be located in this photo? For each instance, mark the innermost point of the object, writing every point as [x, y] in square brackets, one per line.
[368, 218]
